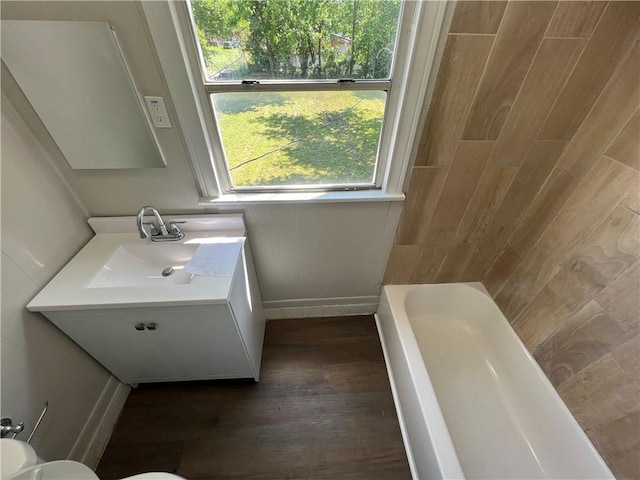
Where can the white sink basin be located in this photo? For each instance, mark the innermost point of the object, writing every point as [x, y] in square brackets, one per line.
[142, 265]
[117, 269]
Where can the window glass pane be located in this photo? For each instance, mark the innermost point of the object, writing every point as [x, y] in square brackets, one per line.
[300, 138]
[296, 39]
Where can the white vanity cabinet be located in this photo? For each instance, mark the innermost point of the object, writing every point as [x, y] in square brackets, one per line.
[173, 343]
[115, 301]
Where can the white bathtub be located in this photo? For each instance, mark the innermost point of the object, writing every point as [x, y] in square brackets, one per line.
[471, 400]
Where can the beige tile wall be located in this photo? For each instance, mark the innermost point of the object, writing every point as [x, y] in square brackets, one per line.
[527, 179]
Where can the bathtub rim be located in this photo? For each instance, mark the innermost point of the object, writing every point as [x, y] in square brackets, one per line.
[396, 401]
[400, 316]
[437, 430]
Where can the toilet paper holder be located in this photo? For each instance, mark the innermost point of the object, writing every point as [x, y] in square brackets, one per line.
[8, 428]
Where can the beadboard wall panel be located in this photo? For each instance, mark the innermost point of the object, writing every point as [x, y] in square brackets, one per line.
[307, 255]
[551, 220]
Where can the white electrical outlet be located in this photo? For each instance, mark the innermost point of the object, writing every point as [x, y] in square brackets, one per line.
[158, 112]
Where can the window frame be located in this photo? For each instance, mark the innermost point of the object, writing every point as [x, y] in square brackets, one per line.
[302, 85]
[418, 48]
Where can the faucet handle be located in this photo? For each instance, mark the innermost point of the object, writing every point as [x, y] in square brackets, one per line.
[174, 229]
[152, 227]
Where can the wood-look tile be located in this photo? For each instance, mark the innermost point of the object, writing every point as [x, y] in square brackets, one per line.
[612, 247]
[628, 357]
[618, 442]
[461, 67]
[477, 16]
[626, 147]
[533, 173]
[632, 200]
[595, 198]
[616, 31]
[547, 203]
[621, 299]
[453, 266]
[400, 265]
[488, 247]
[489, 194]
[425, 186]
[477, 240]
[613, 109]
[161, 455]
[501, 269]
[432, 252]
[584, 338]
[516, 43]
[575, 18]
[544, 316]
[549, 71]
[320, 463]
[600, 393]
[465, 170]
[475, 248]
[468, 258]
[531, 276]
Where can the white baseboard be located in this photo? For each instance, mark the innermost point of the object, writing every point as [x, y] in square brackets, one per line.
[320, 307]
[97, 430]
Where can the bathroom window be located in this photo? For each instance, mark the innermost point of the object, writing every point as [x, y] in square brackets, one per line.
[325, 106]
[298, 90]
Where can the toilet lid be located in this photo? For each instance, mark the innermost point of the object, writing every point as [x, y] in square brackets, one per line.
[15, 455]
[58, 470]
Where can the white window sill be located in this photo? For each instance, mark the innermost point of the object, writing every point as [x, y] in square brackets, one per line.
[301, 197]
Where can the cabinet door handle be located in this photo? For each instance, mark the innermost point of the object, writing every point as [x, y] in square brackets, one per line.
[139, 326]
[152, 326]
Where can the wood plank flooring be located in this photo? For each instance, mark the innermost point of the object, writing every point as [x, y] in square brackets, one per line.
[322, 409]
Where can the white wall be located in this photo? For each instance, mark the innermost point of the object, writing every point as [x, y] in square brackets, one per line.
[115, 192]
[317, 259]
[43, 226]
[305, 255]
[321, 259]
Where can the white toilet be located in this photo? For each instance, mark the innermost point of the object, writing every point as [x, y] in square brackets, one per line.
[20, 462]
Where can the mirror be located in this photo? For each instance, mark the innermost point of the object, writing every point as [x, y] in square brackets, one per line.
[77, 80]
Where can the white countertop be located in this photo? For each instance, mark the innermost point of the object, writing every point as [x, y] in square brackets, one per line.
[69, 289]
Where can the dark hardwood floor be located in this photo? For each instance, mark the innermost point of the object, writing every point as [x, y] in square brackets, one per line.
[322, 409]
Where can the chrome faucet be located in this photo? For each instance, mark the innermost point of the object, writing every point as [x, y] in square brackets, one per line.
[159, 231]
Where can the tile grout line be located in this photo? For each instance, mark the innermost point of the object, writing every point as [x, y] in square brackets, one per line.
[526, 77]
[537, 132]
[470, 34]
[519, 166]
[615, 137]
[491, 221]
[484, 71]
[564, 85]
[468, 111]
[523, 257]
[608, 83]
[511, 109]
[569, 142]
[618, 161]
